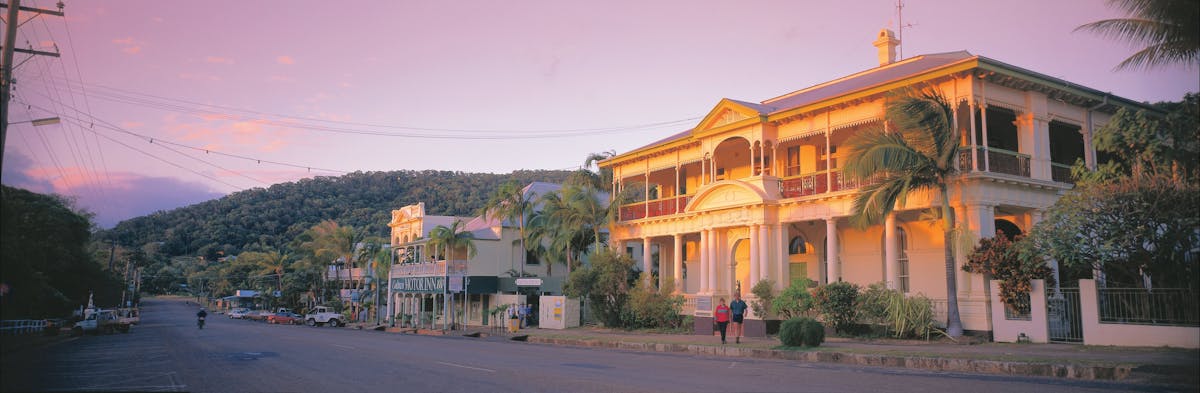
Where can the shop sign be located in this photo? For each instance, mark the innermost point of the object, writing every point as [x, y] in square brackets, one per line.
[435, 284]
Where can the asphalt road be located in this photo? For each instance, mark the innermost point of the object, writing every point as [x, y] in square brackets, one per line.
[168, 353]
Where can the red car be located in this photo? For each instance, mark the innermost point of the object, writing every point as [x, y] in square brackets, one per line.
[287, 318]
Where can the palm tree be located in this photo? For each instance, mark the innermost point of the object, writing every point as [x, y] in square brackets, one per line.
[510, 203]
[453, 238]
[601, 178]
[273, 262]
[919, 156]
[1169, 29]
[332, 242]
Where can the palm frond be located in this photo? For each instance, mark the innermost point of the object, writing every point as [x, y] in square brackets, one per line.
[873, 151]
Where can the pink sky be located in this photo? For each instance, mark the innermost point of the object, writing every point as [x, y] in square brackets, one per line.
[528, 69]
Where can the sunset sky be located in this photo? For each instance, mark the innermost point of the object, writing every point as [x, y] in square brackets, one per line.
[477, 86]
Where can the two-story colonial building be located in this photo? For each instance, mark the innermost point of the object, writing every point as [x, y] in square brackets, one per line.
[755, 190]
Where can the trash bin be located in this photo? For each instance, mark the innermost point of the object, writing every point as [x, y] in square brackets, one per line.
[513, 324]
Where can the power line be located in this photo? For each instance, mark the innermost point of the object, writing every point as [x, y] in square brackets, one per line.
[107, 125]
[229, 113]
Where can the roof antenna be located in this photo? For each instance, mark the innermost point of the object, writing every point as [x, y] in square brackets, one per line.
[900, 26]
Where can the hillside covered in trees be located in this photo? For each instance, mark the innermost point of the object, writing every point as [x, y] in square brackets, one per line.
[260, 219]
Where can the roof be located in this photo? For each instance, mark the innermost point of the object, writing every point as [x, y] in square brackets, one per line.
[890, 73]
[865, 79]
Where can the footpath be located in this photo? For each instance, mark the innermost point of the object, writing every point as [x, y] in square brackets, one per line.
[1161, 366]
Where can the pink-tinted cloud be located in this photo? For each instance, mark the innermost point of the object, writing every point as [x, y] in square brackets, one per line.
[280, 78]
[218, 60]
[131, 124]
[199, 76]
[123, 41]
[285, 60]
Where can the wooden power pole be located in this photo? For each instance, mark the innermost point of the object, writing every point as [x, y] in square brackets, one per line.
[12, 22]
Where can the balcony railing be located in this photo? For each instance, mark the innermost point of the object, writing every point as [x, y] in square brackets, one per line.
[805, 185]
[1061, 173]
[999, 160]
[658, 207]
[1137, 306]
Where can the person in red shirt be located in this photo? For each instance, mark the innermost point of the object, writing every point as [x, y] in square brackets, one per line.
[722, 315]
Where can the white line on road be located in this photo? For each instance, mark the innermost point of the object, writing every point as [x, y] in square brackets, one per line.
[732, 364]
[343, 346]
[468, 367]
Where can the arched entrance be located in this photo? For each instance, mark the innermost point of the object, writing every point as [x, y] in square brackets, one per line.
[1007, 227]
[740, 259]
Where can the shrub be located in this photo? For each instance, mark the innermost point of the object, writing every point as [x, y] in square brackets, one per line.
[836, 303]
[803, 331]
[813, 332]
[604, 283]
[794, 301]
[764, 295]
[653, 308]
[900, 315]
[999, 259]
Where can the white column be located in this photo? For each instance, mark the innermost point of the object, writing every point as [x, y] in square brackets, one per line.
[703, 271]
[677, 271]
[764, 253]
[714, 259]
[781, 256]
[754, 255]
[833, 270]
[646, 257]
[890, 254]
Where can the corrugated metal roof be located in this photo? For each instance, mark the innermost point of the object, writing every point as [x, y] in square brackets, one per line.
[865, 79]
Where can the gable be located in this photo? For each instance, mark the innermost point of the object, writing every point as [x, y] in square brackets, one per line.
[730, 112]
[725, 194]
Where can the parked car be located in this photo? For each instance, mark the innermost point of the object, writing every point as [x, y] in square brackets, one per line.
[129, 315]
[321, 315]
[258, 315]
[100, 321]
[238, 313]
[286, 318]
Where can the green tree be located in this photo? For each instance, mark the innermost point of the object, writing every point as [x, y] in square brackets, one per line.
[44, 262]
[511, 203]
[331, 242]
[1169, 30]
[1147, 224]
[918, 155]
[1142, 140]
[605, 283]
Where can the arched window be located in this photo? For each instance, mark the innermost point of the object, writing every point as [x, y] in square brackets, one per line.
[797, 246]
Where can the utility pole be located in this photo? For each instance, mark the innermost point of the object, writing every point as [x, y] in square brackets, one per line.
[6, 60]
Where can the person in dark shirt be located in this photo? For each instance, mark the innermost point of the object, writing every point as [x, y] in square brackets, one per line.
[738, 308]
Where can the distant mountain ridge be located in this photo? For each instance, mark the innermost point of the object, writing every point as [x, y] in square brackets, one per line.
[272, 217]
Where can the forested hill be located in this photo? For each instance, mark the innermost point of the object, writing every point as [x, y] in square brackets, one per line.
[272, 217]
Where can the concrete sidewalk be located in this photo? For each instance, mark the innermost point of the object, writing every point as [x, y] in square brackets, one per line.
[1149, 365]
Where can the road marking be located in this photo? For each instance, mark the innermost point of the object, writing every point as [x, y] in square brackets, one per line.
[467, 367]
[343, 346]
[731, 364]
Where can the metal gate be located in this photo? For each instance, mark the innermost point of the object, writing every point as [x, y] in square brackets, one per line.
[1062, 315]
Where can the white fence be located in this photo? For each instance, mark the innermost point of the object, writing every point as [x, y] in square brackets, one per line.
[1095, 331]
[15, 327]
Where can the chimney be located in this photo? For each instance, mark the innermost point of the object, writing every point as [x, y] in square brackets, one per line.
[886, 43]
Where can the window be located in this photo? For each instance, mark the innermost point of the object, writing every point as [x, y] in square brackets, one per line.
[629, 251]
[902, 257]
[797, 246]
[797, 270]
[682, 181]
[531, 258]
[793, 161]
[720, 174]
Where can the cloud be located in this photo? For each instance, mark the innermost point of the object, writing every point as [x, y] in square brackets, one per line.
[131, 124]
[133, 50]
[157, 19]
[199, 76]
[218, 60]
[123, 41]
[123, 195]
[280, 78]
[285, 60]
[129, 45]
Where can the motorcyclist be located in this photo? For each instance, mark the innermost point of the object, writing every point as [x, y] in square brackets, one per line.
[200, 318]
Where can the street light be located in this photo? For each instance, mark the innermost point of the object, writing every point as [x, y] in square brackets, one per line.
[40, 122]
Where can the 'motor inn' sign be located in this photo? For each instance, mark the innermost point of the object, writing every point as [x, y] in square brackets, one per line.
[426, 284]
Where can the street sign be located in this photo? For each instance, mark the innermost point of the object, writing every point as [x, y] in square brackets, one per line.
[529, 282]
[455, 284]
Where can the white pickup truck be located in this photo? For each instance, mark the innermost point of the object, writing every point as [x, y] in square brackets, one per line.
[100, 321]
[321, 315]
